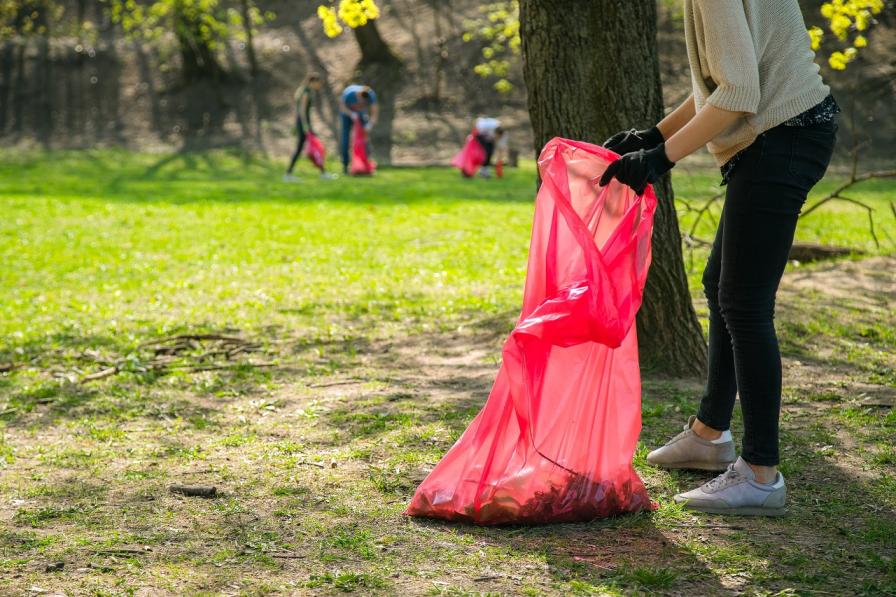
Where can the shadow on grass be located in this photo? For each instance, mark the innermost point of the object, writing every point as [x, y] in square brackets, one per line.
[234, 176]
[839, 534]
[51, 379]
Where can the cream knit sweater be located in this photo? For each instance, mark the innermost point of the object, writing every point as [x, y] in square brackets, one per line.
[750, 56]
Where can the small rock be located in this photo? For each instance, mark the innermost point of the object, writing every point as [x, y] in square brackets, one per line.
[194, 490]
[54, 567]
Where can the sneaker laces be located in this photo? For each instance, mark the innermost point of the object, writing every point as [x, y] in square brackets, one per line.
[727, 479]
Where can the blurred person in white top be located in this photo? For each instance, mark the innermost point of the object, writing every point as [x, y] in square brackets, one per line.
[491, 136]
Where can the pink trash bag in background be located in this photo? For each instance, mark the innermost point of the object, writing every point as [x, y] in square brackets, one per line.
[470, 158]
[556, 438]
[315, 149]
[361, 162]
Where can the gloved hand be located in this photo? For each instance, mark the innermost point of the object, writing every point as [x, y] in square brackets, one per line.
[632, 140]
[638, 168]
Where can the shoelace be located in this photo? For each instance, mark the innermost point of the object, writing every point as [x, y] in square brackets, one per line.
[726, 479]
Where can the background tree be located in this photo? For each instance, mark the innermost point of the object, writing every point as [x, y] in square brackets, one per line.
[360, 16]
[591, 69]
[379, 66]
[848, 21]
[200, 28]
[499, 30]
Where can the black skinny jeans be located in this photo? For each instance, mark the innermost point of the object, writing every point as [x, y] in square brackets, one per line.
[765, 193]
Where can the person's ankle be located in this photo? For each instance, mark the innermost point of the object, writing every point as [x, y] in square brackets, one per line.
[704, 431]
[764, 474]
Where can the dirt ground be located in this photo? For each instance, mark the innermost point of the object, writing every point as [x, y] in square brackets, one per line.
[312, 475]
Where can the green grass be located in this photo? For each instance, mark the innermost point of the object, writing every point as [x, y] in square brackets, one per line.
[375, 310]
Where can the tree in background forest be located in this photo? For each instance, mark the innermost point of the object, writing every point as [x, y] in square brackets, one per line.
[848, 21]
[200, 27]
[379, 66]
[360, 16]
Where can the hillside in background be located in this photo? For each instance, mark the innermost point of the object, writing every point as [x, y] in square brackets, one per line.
[111, 90]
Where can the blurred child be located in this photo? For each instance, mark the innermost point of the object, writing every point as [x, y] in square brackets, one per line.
[303, 98]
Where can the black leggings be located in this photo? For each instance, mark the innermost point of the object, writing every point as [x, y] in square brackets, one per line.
[765, 193]
[300, 145]
[489, 146]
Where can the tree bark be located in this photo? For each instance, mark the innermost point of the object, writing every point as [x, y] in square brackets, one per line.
[250, 42]
[591, 69]
[381, 68]
[373, 47]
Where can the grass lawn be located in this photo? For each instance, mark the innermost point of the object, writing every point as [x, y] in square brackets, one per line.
[313, 349]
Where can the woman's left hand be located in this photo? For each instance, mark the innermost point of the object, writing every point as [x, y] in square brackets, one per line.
[638, 168]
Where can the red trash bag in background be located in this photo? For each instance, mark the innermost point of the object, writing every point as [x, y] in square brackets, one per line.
[556, 438]
[315, 149]
[470, 158]
[361, 162]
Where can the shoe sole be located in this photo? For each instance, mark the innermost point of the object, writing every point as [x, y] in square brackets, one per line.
[742, 511]
[692, 465]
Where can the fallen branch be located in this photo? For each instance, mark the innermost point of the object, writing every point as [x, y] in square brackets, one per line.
[311, 464]
[189, 337]
[218, 367]
[334, 383]
[854, 179]
[123, 550]
[703, 210]
[99, 374]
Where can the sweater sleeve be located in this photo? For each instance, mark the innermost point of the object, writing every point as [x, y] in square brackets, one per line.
[730, 56]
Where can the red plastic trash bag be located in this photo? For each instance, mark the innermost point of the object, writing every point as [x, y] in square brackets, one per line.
[361, 162]
[315, 148]
[555, 440]
[470, 158]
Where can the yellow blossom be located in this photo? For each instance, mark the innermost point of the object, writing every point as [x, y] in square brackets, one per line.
[352, 13]
[815, 35]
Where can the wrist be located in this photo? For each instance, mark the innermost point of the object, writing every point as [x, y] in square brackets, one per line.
[672, 151]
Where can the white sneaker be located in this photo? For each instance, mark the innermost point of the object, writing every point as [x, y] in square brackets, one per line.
[736, 491]
[290, 178]
[328, 176]
[689, 450]
[484, 172]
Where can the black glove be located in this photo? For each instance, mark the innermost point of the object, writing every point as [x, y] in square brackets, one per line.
[632, 140]
[638, 168]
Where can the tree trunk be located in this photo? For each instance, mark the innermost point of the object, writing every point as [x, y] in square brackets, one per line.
[250, 45]
[591, 69]
[384, 71]
[198, 58]
[373, 48]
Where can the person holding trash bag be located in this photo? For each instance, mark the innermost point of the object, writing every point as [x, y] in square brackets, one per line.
[490, 135]
[762, 109]
[304, 131]
[357, 104]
